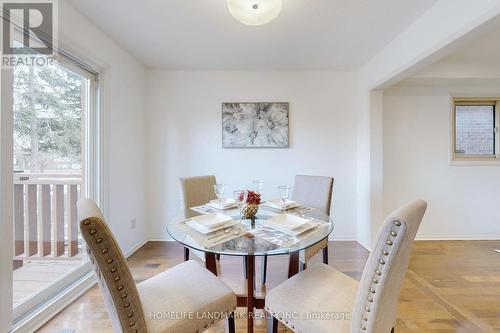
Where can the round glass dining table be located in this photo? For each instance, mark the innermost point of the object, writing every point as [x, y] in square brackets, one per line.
[250, 239]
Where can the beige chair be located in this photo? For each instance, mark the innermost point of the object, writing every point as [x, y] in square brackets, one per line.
[302, 302]
[314, 192]
[155, 305]
[195, 191]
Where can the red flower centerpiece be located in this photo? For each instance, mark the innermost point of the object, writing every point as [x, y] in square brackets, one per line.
[251, 206]
[253, 198]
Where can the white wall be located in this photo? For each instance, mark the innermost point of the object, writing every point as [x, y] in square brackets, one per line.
[184, 137]
[124, 132]
[415, 47]
[426, 40]
[463, 200]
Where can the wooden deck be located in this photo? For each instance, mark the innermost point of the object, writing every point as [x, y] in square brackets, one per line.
[36, 275]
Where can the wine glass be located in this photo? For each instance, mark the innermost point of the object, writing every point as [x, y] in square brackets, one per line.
[284, 193]
[240, 197]
[258, 185]
[219, 192]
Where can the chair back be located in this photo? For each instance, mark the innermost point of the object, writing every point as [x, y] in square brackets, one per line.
[113, 274]
[314, 191]
[380, 285]
[196, 191]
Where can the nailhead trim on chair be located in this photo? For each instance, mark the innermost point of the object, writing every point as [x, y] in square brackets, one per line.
[378, 272]
[113, 270]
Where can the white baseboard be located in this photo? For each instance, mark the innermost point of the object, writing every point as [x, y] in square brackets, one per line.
[353, 239]
[136, 247]
[342, 239]
[459, 237]
[160, 239]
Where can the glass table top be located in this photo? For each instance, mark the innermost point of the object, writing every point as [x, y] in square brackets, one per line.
[243, 239]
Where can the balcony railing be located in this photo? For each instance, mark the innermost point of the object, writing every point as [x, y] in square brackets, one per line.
[45, 217]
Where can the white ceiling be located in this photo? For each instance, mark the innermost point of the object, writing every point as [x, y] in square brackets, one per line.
[201, 34]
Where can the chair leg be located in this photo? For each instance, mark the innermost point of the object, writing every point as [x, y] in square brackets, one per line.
[272, 324]
[263, 268]
[325, 255]
[230, 328]
[245, 267]
[303, 266]
[186, 254]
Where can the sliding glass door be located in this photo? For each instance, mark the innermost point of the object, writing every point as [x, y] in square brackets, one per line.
[54, 149]
[49, 158]
[51, 106]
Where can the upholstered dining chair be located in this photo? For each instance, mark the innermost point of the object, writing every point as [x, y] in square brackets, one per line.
[314, 192]
[195, 191]
[187, 288]
[349, 306]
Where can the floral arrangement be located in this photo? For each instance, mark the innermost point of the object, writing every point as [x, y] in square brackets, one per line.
[253, 198]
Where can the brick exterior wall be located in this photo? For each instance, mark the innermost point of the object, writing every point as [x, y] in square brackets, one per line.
[475, 130]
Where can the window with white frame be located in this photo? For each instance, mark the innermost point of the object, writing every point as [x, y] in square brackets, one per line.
[475, 134]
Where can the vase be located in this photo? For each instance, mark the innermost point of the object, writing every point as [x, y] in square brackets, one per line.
[248, 211]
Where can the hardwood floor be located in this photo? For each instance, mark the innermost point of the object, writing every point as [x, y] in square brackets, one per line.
[450, 286]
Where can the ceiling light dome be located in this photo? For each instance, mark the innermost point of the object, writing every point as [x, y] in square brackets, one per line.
[254, 12]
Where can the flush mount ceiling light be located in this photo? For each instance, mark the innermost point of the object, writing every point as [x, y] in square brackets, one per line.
[254, 12]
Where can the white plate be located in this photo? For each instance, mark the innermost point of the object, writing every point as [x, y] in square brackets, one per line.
[211, 220]
[278, 204]
[204, 230]
[287, 221]
[226, 204]
[309, 224]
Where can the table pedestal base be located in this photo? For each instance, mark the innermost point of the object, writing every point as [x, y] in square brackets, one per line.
[249, 300]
